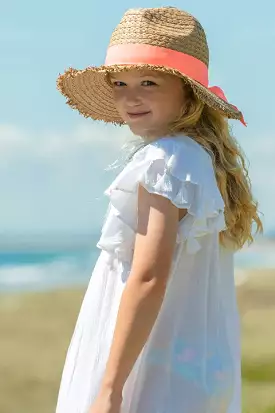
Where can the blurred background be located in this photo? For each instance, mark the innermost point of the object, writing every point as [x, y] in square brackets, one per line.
[54, 170]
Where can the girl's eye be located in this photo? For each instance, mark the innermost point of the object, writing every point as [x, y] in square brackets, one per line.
[118, 83]
[148, 83]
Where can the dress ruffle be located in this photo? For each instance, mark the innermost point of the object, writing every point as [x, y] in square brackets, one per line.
[177, 168]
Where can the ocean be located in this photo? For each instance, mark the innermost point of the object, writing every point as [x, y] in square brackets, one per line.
[43, 270]
[51, 268]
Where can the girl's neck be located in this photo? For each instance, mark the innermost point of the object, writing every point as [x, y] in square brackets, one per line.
[151, 137]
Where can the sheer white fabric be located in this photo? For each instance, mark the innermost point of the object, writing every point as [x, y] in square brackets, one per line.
[191, 360]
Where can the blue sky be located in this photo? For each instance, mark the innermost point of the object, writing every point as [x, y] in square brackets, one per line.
[52, 159]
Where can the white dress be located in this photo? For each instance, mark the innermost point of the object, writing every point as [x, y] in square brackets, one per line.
[191, 360]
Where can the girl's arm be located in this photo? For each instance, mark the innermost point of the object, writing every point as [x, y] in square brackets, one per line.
[145, 288]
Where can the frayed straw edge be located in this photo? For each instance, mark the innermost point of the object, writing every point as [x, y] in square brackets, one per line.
[70, 73]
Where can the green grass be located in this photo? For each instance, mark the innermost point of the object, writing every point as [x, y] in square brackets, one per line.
[35, 331]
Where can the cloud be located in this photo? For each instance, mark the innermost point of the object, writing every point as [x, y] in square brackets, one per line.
[17, 143]
[54, 182]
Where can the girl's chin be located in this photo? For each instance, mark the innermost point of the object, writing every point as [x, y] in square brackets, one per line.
[146, 133]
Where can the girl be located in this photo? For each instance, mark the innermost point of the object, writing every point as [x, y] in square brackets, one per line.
[158, 330]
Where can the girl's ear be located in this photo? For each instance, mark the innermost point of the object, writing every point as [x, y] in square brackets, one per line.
[187, 90]
[188, 96]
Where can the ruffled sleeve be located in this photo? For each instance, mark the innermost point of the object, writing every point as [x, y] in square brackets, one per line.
[177, 168]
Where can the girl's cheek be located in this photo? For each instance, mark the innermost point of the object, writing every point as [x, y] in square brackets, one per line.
[118, 95]
[149, 93]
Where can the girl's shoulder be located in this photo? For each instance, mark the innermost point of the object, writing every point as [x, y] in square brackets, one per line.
[180, 153]
[181, 170]
[180, 146]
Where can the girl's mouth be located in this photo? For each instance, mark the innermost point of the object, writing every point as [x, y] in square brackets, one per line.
[135, 115]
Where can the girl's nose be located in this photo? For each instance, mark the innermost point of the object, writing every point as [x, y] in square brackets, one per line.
[132, 97]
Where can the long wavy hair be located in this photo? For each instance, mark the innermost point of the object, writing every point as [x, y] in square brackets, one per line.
[211, 130]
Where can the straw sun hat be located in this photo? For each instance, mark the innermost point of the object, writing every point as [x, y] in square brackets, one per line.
[165, 39]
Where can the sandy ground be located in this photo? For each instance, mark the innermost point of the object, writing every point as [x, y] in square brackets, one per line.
[35, 331]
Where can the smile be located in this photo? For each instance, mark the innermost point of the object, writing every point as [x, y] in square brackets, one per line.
[137, 114]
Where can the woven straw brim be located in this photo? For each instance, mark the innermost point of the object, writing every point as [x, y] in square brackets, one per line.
[89, 92]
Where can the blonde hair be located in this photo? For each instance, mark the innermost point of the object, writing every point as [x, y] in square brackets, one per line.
[210, 129]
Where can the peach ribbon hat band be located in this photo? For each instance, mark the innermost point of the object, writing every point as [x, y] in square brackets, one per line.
[134, 54]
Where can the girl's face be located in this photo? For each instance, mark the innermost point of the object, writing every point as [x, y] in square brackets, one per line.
[148, 101]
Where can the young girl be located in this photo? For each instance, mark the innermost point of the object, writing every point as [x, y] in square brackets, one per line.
[158, 330]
